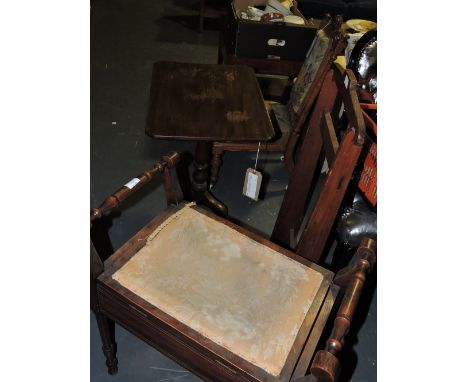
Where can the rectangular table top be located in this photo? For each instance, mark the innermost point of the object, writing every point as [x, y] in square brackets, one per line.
[207, 102]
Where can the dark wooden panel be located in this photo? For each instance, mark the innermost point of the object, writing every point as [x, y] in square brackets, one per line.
[319, 225]
[207, 102]
[227, 55]
[248, 39]
[252, 40]
[294, 203]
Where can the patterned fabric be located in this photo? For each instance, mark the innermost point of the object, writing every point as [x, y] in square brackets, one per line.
[308, 72]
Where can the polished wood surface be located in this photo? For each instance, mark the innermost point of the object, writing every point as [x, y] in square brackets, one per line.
[203, 103]
[166, 166]
[206, 102]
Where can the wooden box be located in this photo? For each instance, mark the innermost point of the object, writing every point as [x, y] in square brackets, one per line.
[266, 40]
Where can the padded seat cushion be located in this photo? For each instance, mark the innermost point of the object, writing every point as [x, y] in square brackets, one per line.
[235, 291]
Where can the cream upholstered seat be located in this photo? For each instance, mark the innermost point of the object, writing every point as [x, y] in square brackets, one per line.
[242, 295]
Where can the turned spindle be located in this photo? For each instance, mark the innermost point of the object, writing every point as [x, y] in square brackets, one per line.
[326, 366]
[166, 166]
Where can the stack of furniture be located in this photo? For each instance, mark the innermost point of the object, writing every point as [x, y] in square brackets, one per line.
[224, 302]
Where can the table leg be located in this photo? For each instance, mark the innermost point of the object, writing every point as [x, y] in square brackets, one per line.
[200, 179]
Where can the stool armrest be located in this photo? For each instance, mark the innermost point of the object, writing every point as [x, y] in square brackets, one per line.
[325, 365]
[166, 165]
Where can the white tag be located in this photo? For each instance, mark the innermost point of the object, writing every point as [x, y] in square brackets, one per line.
[346, 81]
[132, 183]
[252, 182]
[251, 185]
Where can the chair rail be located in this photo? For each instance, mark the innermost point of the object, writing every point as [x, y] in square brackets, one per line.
[325, 365]
[166, 165]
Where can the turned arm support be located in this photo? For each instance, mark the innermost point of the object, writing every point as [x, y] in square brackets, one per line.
[325, 365]
[166, 165]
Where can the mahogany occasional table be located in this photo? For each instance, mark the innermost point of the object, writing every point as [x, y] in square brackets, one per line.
[206, 103]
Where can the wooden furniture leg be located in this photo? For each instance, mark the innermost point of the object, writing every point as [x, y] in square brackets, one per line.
[216, 163]
[200, 174]
[200, 179]
[105, 325]
[109, 347]
[325, 365]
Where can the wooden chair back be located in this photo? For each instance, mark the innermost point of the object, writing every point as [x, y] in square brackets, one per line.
[328, 43]
[342, 158]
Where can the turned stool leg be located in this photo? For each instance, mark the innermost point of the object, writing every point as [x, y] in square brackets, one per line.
[109, 347]
[216, 163]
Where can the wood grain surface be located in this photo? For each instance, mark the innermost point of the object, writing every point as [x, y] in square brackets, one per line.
[207, 102]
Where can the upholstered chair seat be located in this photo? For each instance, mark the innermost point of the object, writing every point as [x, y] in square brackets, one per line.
[235, 292]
